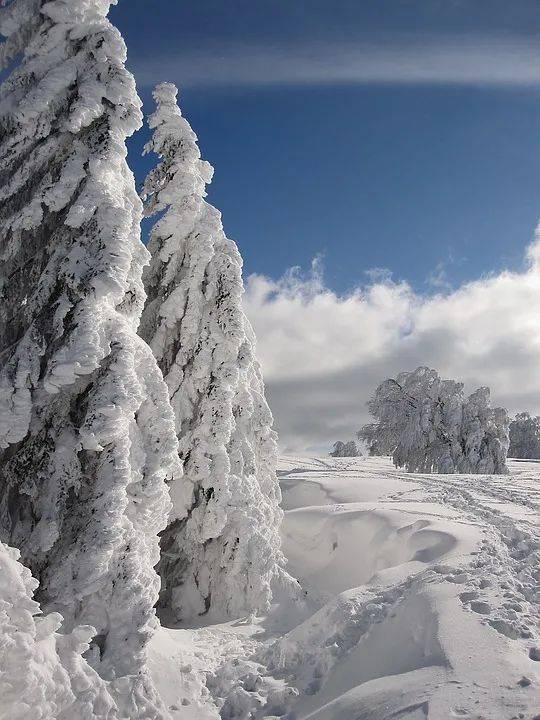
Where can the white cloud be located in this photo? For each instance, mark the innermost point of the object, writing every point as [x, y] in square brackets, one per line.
[462, 60]
[323, 354]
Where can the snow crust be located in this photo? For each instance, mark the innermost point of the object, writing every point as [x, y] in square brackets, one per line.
[220, 551]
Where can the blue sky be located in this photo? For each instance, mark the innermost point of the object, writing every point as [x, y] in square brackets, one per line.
[402, 134]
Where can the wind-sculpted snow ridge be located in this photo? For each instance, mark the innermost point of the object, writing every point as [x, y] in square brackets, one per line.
[221, 550]
[86, 430]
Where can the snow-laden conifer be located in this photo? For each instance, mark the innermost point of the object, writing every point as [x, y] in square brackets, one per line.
[221, 548]
[484, 435]
[86, 430]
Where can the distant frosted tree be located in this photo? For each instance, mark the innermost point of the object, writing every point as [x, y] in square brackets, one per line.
[345, 449]
[525, 436]
[221, 548]
[433, 428]
[484, 435]
[86, 430]
[378, 443]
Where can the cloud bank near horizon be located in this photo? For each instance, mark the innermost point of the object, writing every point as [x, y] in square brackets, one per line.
[453, 60]
[323, 354]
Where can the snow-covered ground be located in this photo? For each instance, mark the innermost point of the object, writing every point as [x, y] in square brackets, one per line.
[420, 599]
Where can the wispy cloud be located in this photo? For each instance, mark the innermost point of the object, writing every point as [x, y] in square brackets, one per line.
[460, 60]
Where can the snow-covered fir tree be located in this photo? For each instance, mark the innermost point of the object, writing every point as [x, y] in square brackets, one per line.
[345, 449]
[433, 428]
[87, 437]
[525, 436]
[221, 548]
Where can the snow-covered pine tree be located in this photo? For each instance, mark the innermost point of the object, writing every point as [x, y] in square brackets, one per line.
[525, 436]
[87, 435]
[221, 548]
[484, 435]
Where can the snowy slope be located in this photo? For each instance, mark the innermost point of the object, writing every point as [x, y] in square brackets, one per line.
[421, 597]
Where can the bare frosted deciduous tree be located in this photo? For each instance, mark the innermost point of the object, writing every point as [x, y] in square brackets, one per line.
[377, 443]
[433, 428]
[525, 436]
[221, 548]
[345, 449]
[484, 435]
[87, 437]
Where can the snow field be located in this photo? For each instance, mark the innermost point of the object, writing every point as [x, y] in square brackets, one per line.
[419, 600]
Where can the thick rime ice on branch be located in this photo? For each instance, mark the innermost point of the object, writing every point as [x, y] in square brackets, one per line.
[345, 449]
[43, 674]
[524, 436]
[431, 427]
[86, 430]
[222, 547]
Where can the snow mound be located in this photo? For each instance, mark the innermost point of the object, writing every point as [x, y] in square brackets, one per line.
[322, 544]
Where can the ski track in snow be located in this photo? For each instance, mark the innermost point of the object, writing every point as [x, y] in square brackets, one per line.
[420, 599]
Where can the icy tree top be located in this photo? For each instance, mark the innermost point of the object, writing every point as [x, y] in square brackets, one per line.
[181, 172]
[65, 112]
[56, 57]
[223, 555]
